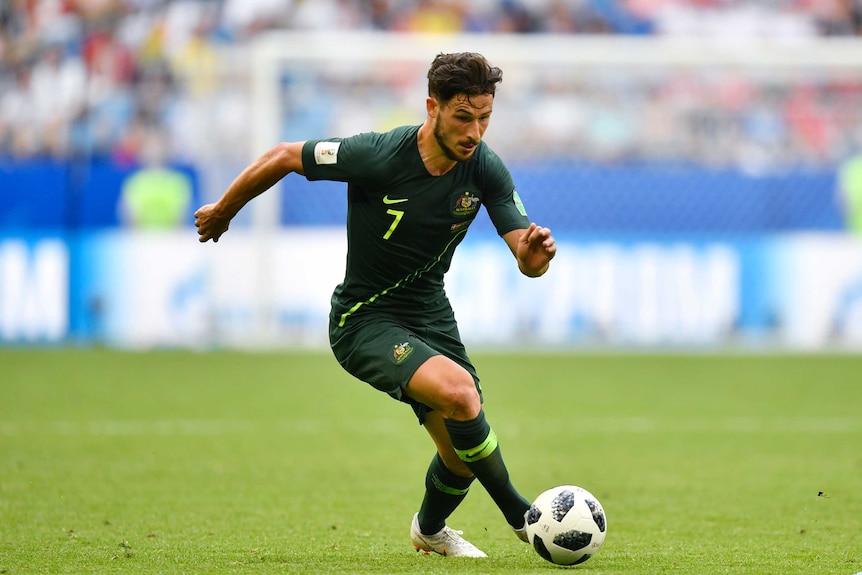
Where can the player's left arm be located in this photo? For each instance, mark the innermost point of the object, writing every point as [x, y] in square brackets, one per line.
[533, 247]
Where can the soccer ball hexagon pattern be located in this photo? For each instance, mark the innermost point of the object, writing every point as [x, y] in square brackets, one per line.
[566, 525]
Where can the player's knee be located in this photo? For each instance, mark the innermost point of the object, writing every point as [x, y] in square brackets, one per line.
[447, 387]
[461, 399]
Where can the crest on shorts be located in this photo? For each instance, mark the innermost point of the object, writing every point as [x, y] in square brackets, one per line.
[466, 204]
[401, 351]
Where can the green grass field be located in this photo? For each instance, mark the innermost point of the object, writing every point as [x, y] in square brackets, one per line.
[174, 462]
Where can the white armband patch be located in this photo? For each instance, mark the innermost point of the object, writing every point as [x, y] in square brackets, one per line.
[326, 152]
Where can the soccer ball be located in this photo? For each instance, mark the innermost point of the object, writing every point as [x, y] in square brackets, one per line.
[566, 525]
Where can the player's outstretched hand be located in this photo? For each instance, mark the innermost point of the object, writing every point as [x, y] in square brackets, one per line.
[535, 250]
[210, 224]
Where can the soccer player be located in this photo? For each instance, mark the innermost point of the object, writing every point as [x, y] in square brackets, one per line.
[412, 193]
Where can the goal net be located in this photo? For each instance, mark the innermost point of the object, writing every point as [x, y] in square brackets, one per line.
[666, 166]
[630, 113]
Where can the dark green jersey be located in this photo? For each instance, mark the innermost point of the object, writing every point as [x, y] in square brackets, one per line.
[404, 224]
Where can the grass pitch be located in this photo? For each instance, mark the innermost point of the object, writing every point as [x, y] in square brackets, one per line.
[174, 462]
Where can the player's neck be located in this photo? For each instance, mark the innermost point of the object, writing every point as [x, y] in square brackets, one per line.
[435, 159]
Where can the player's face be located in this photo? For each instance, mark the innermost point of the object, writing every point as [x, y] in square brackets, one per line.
[460, 124]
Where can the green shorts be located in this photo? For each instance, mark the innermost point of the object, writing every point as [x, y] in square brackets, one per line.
[386, 354]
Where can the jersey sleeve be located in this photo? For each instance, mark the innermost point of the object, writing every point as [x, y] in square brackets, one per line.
[339, 159]
[504, 206]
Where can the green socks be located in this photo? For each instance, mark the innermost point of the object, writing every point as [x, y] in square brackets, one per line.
[444, 491]
[476, 445]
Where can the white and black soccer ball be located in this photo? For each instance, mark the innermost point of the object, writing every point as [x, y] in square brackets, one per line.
[566, 525]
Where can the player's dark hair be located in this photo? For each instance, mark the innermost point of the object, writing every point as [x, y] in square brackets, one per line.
[465, 73]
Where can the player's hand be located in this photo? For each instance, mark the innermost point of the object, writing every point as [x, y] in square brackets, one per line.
[210, 224]
[535, 250]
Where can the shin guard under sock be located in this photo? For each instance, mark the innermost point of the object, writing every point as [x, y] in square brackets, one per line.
[476, 445]
[444, 491]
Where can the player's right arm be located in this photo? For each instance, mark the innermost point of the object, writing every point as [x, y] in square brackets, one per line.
[212, 220]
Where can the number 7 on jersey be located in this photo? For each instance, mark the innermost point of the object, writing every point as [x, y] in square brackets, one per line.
[398, 215]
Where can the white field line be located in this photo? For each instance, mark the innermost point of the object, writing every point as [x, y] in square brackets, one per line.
[827, 425]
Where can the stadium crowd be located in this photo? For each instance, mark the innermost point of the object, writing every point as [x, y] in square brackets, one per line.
[96, 77]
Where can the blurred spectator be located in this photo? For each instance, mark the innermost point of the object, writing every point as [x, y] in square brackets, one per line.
[248, 17]
[333, 15]
[835, 17]
[436, 16]
[849, 188]
[155, 196]
[17, 118]
[57, 95]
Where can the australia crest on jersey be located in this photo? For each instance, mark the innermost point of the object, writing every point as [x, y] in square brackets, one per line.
[465, 204]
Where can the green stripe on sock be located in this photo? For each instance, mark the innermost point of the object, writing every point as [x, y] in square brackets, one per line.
[440, 486]
[481, 451]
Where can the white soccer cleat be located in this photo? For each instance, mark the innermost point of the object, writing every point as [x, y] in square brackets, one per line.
[522, 532]
[446, 542]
